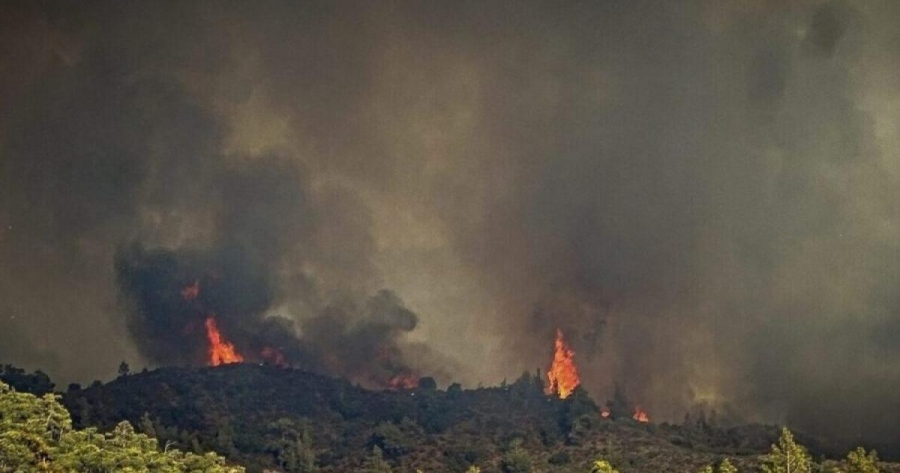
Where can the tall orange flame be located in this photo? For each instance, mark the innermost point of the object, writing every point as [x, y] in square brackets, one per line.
[221, 351]
[562, 377]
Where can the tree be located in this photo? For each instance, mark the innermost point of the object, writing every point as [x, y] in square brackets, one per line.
[727, 467]
[858, 461]
[427, 384]
[375, 463]
[124, 369]
[516, 460]
[292, 446]
[787, 456]
[603, 466]
[35, 383]
[36, 434]
[724, 467]
[147, 427]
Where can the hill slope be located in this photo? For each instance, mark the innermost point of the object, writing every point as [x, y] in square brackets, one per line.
[267, 417]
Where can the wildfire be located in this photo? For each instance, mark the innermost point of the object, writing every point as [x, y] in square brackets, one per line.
[604, 412]
[221, 351]
[640, 415]
[401, 381]
[562, 377]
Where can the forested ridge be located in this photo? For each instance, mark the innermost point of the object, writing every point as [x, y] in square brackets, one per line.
[281, 419]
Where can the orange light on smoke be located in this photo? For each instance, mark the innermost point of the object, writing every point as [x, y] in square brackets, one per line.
[191, 291]
[273, 356]
[562, 377]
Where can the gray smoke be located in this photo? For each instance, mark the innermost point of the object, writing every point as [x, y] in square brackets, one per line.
[700, 194]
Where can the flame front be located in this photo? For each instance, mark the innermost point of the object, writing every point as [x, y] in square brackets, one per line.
[640, 415]
[221, 351]
[562, 377]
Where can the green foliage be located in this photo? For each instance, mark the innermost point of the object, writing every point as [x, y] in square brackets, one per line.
[516, 460]
[391, 440]
[602, 466]
[375, 462]
[787, 456]
[292, 446]
[858, 461]
[727, 467]
[36, 434]
[288, 420]
[724, 467]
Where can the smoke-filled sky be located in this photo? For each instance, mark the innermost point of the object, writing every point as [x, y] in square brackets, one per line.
[703, 195]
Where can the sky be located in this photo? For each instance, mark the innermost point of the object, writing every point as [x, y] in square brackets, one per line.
[702, 195]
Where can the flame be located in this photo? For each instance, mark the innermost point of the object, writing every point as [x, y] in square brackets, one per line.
[640, 415]
[562, 377]
[604, 412]
[221, 351]
[403, 381]
[191, 291]
[273, 356]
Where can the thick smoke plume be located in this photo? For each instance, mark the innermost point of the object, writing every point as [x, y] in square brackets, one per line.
[701, 194]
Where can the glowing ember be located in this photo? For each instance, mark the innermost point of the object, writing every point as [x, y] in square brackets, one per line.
[191, 291]
[221, 351]
[403, 381]
[604, 412]
[562, 377]
[640, 415]
[273, 356]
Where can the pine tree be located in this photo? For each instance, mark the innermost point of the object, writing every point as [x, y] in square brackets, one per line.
[603, 466]
[36, 434]
[858, 461]
[787, 456]
[727, 467]
[124, 369]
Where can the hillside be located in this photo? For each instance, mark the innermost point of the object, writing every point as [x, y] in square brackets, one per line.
[266, 417]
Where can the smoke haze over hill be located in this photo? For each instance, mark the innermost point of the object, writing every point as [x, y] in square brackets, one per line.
[702, 195]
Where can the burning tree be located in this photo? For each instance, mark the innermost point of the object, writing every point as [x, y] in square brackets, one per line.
[562, 377]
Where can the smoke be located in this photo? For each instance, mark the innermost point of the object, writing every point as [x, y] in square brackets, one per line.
[700, 195]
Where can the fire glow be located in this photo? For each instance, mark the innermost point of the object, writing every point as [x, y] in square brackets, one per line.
[221, 351]
[640, 415]
[562, 377]
[401, 382]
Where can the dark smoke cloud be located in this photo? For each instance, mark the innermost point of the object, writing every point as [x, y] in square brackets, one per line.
[700, 194]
